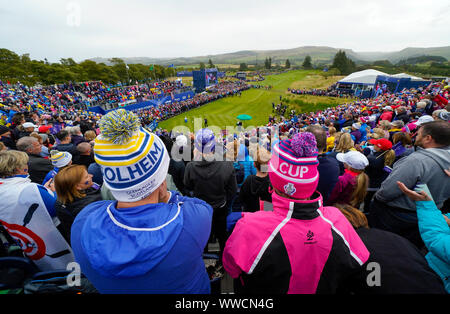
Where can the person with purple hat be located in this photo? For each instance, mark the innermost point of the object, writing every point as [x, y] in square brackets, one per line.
[301, 247]
[212, 181]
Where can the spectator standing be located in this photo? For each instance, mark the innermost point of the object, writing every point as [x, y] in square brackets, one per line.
[393, 211]
[75, 190]
[255, 189]
[38, 166]
[351, 187]
[271, 252]
[28, 214]
[328, 166]
[403, 269]
[435, 231]
[152, 239]
[86, 156]
[212, 181]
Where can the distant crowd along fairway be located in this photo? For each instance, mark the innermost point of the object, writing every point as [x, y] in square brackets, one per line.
[257, 102]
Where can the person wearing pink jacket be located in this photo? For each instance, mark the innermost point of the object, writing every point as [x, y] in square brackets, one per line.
[301, 247]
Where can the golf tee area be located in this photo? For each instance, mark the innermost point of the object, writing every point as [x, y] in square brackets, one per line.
[257, 102]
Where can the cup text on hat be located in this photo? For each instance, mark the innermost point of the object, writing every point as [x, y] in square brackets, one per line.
[300, 171]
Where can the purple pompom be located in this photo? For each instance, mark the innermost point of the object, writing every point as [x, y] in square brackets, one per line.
[304, 144]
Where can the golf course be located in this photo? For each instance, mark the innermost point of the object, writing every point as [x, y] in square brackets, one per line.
[257, 102]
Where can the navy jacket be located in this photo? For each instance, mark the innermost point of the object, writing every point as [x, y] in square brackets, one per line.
[329, 173]
[402, 267]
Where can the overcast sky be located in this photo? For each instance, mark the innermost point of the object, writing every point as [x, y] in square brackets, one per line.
[84, 29]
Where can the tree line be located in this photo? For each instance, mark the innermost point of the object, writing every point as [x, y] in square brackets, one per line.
[15, 68]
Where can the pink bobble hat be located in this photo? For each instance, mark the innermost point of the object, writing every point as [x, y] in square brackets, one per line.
[293, 166]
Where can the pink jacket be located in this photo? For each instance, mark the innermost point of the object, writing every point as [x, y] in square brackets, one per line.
[299, 248]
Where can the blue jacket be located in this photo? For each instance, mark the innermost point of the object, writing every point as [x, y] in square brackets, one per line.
[153, 248]
[244, 159]
[435, 234]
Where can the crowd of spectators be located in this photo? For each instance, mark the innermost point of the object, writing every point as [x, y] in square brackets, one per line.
[329, 92]
[301, 205]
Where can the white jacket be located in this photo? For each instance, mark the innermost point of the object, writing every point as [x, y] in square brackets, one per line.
[25, 214]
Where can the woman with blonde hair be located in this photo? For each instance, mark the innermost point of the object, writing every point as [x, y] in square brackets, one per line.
[90, 135]
[75, 190]
[27, 211]
[345, 144]
[377, 133]
[385, 125]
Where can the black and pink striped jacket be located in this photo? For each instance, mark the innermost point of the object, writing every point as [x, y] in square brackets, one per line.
[299, 248]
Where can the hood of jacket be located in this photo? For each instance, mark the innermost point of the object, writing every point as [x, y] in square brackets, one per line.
[440, 155]
[207, 169]
[258, 185]
[130, 242]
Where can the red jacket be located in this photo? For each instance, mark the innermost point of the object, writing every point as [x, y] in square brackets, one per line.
[387, 115]
[441, 101]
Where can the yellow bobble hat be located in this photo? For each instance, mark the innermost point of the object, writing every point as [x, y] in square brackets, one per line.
[134, 161]
[60, 159]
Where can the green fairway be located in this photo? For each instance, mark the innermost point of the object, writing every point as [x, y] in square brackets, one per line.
[254, 102]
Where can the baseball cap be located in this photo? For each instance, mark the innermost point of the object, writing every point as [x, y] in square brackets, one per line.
[29, 125]
[354, 159]
[424, 119]
[44, 128]
[382, 143]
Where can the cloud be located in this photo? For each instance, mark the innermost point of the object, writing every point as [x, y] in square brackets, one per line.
[174, 28]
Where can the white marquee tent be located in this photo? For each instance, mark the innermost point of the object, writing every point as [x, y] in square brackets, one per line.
[366, 77]
[404, 75]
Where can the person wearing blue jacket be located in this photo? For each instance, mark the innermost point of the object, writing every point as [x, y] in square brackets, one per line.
[434, 229]
[149, 240]
[246, 161]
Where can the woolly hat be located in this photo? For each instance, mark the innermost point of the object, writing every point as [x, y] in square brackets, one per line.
[293, 166]
[134, 161]
[205, 141]
[60, 159]
[444, 115]
[181, 140]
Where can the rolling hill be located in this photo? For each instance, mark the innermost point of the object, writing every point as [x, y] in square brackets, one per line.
[320, 55]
